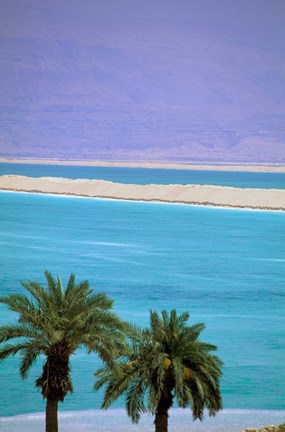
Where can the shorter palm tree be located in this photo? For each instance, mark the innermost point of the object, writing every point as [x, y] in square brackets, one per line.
[166, 361]
[55, 322]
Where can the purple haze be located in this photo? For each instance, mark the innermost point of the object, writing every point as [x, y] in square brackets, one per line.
[177, 80]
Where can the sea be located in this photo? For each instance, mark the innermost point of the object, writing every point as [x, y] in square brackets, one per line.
[225, 266]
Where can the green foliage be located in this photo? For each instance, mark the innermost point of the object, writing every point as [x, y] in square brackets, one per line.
[55, 322]
[165, 361]
[280, 428]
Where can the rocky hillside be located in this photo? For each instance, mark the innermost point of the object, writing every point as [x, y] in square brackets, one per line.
[186, 81]
[280, 428]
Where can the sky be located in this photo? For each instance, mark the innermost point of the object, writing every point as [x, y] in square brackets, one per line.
[143, 80]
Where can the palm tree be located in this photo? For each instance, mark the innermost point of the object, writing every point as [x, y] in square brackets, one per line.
[55, 322]
[166, 361]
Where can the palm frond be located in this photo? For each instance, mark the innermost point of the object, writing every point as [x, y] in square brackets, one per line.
[155, 322]
[38, 293]
[70, 286]
[178, 375]
[56, 322]
[19, 303]
[133, 332]
[11, 350]
[195, 330]
[106, 373]
[135, 399]
[117, 381]
[165, 360]
[100, 301]
[19, 330]
[183, 318]
[54, 287]
[29, 355]
[77, 294]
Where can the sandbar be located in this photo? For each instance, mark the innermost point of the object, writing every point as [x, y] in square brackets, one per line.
[210, 166]
[221, 196]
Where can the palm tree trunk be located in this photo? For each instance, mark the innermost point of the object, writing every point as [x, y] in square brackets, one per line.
[51, 415]
[161, 421]
[161, 414]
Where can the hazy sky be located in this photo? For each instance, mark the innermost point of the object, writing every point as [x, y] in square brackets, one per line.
[160, 79]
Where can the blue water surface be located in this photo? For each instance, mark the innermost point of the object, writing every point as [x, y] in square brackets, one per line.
[224, 266]
[150, 175]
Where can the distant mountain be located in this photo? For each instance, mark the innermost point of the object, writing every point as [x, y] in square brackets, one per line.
[182, 80]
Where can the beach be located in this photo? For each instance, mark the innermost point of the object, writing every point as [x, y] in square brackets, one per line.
[161, 165]
[117, 420]
[221, 196]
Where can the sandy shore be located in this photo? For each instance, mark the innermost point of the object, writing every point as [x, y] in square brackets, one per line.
[266, 199]
[117, 420]
[167, 165]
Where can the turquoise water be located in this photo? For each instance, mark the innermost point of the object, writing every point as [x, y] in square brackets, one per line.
[224, 266]
[146, 176]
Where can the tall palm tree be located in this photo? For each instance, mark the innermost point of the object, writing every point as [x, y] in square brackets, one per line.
[166, 361]
[55, 322]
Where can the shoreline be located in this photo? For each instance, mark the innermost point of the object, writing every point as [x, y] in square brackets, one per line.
[207, 166]
[198, 195]
[216, 207]
[228, 420]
